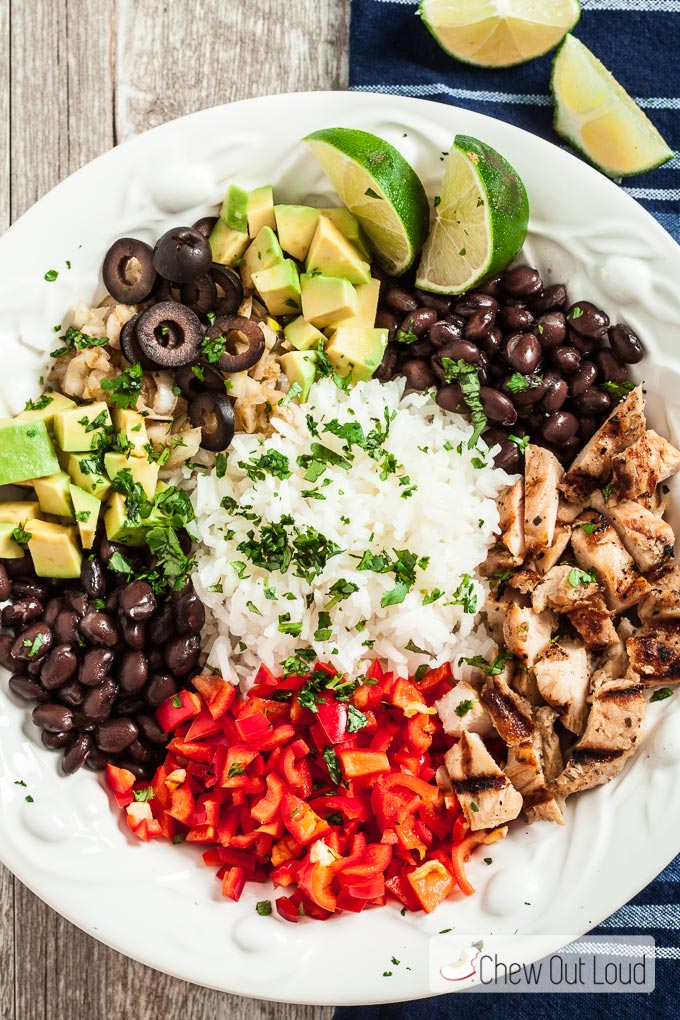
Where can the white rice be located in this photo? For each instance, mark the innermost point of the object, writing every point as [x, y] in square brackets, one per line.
[448, 521]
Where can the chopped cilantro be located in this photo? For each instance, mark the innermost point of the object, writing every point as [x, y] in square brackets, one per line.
[323, 631]
[124, 390]
[51, 275]
[467, 377]
[253, 608]
[518, 383]
[40, 404]
[333, 765]
[221, 465]
[577, 577]
[522, 442]
[589, 528]
[356, 720]
[464, 707]
[395, 595]
[142, 796]
[473, 806]
[237, 768]
[21, 536]
[288, 626]
[617, 389]
[74, 340]
[661, 694]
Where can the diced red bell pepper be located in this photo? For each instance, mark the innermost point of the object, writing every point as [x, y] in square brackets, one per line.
[286, 848]
[233, 883]
[366, 888]
[296, 772]
[203, 726]
[362, 763]
[373, 861]
[251, 727]
[332, 717]
[141, 821]
[265, 676]
[202, 834]
[178, 709]
[288, 908]
[316, 880]
[350, 807]
[120, 782]
[206, 811]
[282, 734]
[432, 883]
[353, 856]
[217, 693]
[266, 808]
[428, 793]
[182, 805]
[435, 678]
[419, 731]
[402, 890]
[301, 821]
[344, 901]
[192, 750]
[233, 772]
[460, 829]
[286, 873]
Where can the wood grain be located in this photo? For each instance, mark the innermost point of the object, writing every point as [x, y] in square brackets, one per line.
[77, 77]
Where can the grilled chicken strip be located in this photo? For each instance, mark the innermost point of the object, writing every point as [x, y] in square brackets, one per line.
[562, 588]
[663, 602]
[611, 734]
[645, 535]
[593, 621]
[510, 713]
[546, 559]
[563, 678]
[646, 463]
[478, 781]
[602, 550]
[532, 763]
[526, 633]
[592, 466]
[542, 472]
[461, 709]
[655, 654]
[510, 505]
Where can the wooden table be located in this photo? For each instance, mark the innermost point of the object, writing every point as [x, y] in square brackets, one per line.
[79, 77]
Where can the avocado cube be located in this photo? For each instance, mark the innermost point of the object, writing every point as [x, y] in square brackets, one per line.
[85, 472]
[261, 210]
[9, 549]
[26, 451]
[227, 245]
[265, 251]
[367, 307]
[332, 254]
[54, 549]
[18, 511]
[356, 351]
[119, 527]
[350, 227]
[81, 428]
[302, 335]
[132, 424]
[86, 512]
[300, 367]
[234, 209]
[279, 287]
[295, 225]
[54, 402]
[143, 471]
[53, 494]
[327, 299]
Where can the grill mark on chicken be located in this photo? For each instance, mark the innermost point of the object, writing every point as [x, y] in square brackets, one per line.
[476, 784]
[511, 723]
[627, 694]
[592, 755]
[647, 462]
[603, 551]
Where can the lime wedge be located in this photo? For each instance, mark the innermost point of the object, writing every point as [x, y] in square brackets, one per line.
[598, 117]
[498, 33]
[380, 188]
[481, 220]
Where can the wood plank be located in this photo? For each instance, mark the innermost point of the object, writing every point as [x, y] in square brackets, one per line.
[7, 947]
[4, 115]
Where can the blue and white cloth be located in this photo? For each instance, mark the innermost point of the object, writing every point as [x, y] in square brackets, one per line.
[639, 41]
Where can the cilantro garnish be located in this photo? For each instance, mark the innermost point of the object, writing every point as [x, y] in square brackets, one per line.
[333, 766]
[467, 377]
[464, 707]
[74, 340]
[577, 577]
[124, 390]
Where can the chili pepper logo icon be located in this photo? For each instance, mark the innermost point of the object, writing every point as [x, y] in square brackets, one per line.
[465, 966]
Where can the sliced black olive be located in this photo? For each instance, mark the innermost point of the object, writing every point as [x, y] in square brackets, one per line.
[166, 291]
[195, 379]
[200, 295]
[214, 414]
[182, 254]
[227, 326]
[232, 288]
[205, 225]
[129, 345]
[169, 334]
[117, 266]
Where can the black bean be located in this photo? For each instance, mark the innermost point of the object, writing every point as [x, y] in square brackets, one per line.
[525, 354]
[78, 601]
[181, 654]
[111, 601]
[515, 318]
[96, 760]
[551, 329]
[108, 548]
[492, 286]
[479, 324]
[587, 319]
[559, 427]
[387, 320]
[140, 770]
[66, 627]
[566, 359]
[549, 300]
[611, 367]
[33, 643]
[156, 659]
[555, 396]
[34, 668]
[5, 583]
[455, 320]
[588, 426]
[491, 343]
[451, 398]
[71, 694]
[592, 401]
[130, 706]
[99, 629]
[58, 667]
[140, 752]
[443, 333]
[134, 632]
[133, 672]
[76, 753]
[21, 613]
[419, 322]
[21, 568]
[150, 730]
[460, 350]
[189, 614]
[497, 407]
[625, 344]
[22, 589]
[400, 300]
[137, 600]
[95, 665]
[54, 741]
[52, 610]
[115, 735]
[57, 718]
[531, 395]
[584, 344]
[24, 687]
[522, 281]
[160, 687]
[419, 375]
[440, 302]
[99, 700]
[388, 366]
[583, 378]
[469, 304]
[508, 457]
[93, 578]
[421, 349]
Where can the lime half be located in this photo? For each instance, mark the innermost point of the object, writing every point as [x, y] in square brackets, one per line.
[498, 33]
[598, 117]
[481, 220]
[380, 188]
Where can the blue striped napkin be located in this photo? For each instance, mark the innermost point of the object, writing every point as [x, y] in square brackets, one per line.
[639, 41]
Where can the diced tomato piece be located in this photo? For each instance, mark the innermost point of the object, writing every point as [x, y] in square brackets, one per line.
[120, 782]
[362, 763]
[332, 717]
[178, 709]
[233, 883]
[432, 883]
[315, 880]
[266, 808]
[182, 805]
[251, 727]
[301, 821]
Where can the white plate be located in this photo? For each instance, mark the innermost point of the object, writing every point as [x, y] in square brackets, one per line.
[157, 903]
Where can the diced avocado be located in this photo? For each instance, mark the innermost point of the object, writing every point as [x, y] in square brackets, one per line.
[350, 227]
[367, 301]
[327, 299]
[86, 509]
[133, 425]
[300, 367]
[143, 471]
[302, 335]
[81, 428]
[84, 471]
[227, 245]
[265, 251]
[279, 287]
[53, 494]
[234, 211]
[18, 511]
[9, 549]
[54, 549]
[26, 451]
[118, 527]
[333, 255]
[295, 225]
[53, 403]
[356, 351]
[261, 210]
